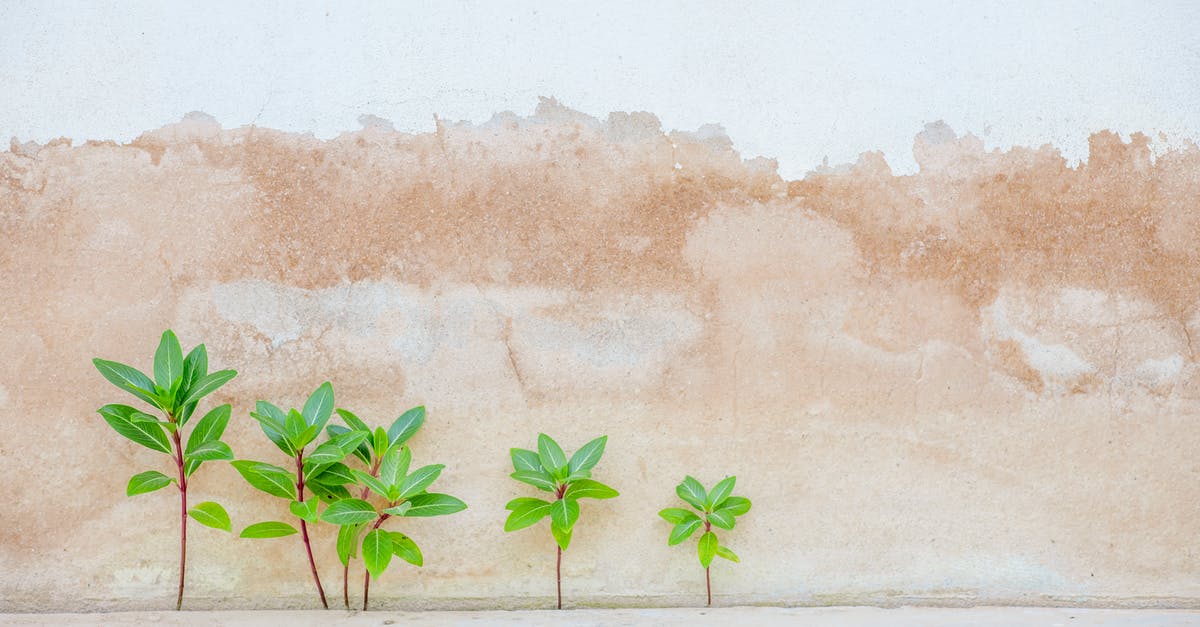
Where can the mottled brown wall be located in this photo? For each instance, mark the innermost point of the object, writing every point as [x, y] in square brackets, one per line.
[975, 384]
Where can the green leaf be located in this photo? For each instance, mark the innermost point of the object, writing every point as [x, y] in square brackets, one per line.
[327, 453]
[372, 483]
[350, 441]
[307, 435]
[168, 360]
[349, 512]
[195, 366]
[362, 452]
[525, 460]
[727, 554]
[404, 548]
[129, 379]
[434, 504]
[319, 406]
[525, 512]
[399, 510]
[588, 489]
[735, 505]
[676, 515]
[347, 542]
[148, 434]
[212, 515]
[719, 493]
[586, 457]
[562, 537]
[352, 421]
[306, 510]
[564, 513]
[148, 481]
[420, 479]
[270, 479]
[692, 492]
[210, 427]
[295, 425]
[336, 473]
[270, 529]
[684, 530]
[536, 478]
[721, 519]
[551, 454]
[207, 385]
[209, 451]
[328, 493]
[394, 466]
[707, 548]
[163, 424]
[274, 424]
[406, 425]
[377, 552]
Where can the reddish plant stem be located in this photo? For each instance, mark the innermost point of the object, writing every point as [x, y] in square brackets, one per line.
[346, 566]
[707, 577]
[312, 564]
[183, 516]
[558, 573]
[367, 573]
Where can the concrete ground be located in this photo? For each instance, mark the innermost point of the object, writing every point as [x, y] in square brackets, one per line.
[744, 616]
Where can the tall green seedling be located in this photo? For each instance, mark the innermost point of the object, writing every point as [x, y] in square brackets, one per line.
[370, 452]
[319, 471]
[718, 508]
[549, 470]
[397, 492]
[178, 385]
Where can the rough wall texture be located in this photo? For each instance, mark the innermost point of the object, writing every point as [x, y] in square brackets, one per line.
[973, 384]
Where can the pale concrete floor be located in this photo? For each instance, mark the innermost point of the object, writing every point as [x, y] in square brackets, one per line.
[741, 616]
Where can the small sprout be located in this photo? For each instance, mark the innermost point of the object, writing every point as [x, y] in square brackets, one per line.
[718, 508]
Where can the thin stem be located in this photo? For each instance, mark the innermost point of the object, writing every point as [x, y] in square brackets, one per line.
[367, 573]
[708, 583]
[346, 566]
[312, 564]
[559, 577]
[182, 514]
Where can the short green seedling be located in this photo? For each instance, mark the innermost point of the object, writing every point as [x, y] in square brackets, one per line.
[549, 470]
[718, 508]
[178, 385]
[320, 471]
[402, 494]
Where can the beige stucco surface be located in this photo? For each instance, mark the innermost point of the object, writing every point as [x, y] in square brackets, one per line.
[976, 384]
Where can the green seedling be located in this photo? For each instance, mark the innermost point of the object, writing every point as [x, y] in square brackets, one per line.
[718, 508]
[371, 452]
[549, 470]
[399, 492]
[178, 385]
[320, 471]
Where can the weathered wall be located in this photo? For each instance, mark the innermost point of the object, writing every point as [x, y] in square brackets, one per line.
[974, 384]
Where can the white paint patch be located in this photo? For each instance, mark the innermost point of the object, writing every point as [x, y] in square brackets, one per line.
[1155, 372]
[1052, 361]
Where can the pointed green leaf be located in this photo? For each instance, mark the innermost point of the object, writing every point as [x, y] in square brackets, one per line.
[434, 504]
[735, 505]
[719, 493]
[347, 542]
[274, 424]
[551, 454]
[336, 473]
[562, 537]
[586, 457]
[399, 510]
[266, 477]
[363, 452]
[209, 451]
[371, 483]
[420, 479]
[684, 530]
[212, 515]
[404, 548]
[328, 493]
[148, 481]
[270, 529]
[536, 478]
[406, 425]
[148, 434]
[319, 406]
[295, 425]
[692, 492]
[676, 515]
[525, 460]
[349, 512]
[210, 427]
[327, 453]
[352, 421]
[721, 519]
[564, 513]
[525, 512]
[589, 489]
[195, 366]
[129, 379]
[707, 548]
[376, 552]
[306, 510]
[168, 360]
[394, 466]
[727, 554]
[207, 385]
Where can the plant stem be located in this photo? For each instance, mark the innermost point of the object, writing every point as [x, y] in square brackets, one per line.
[367, 573]
[558, 574]
[183, 516]
[708, 583]
[346, 566]
[312, 564]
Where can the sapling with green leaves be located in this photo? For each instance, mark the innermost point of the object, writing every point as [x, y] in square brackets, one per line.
[178, 385]
[400, 493]
[549, 470]
[320, 471]
[718, 508]
[371, 452]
